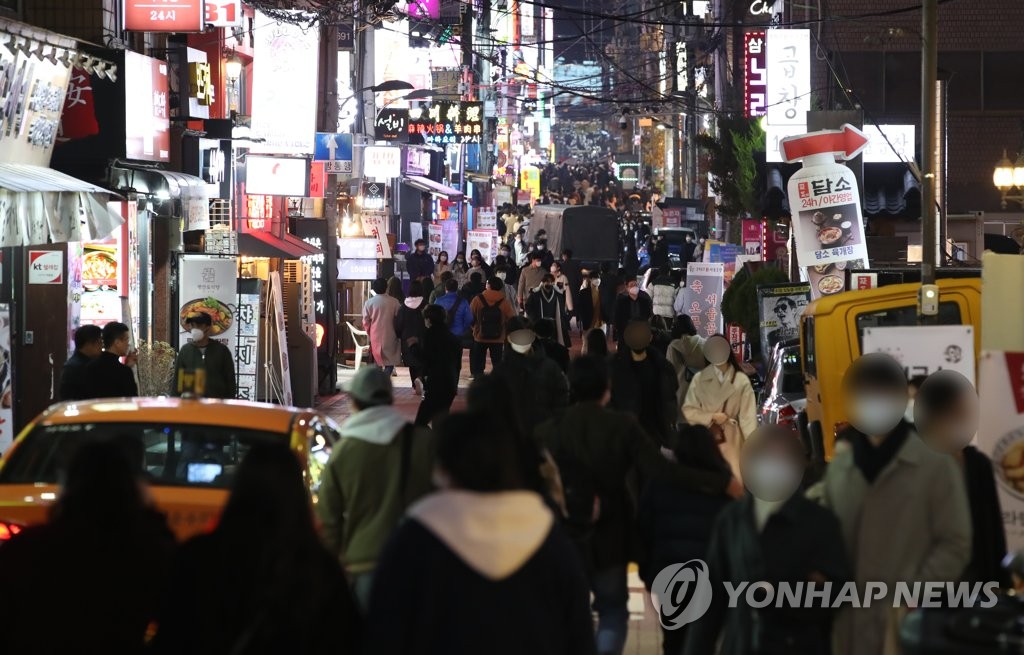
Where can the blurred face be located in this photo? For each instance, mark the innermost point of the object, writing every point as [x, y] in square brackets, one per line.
[420, 247]
[771, 465]
[875, 411]
[443, 257]
[951, 428]
[476, 261]
[633, 289]
[716, 351]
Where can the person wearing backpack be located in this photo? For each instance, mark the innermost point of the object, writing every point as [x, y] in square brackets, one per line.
[379, 467]
[491, 310]
[601, 455]
[460, 317]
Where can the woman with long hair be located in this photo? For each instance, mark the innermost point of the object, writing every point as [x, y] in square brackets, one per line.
[262, 581]
[685, 353]
[440, 267]
[395, 289]
[721, 398]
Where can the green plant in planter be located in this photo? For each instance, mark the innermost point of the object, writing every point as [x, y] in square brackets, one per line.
[739, 302]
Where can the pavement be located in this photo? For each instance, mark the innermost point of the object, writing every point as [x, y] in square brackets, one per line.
[644, 633]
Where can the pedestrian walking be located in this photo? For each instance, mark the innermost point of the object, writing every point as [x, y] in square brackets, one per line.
[644, 383]
[539, 388]
[442, 358]
[409, 330]
[491, 311]
[379, 313]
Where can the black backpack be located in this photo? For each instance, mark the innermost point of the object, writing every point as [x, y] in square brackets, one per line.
[492, 321]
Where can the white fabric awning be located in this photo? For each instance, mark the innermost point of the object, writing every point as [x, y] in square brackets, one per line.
[426, 185]
[39, 205]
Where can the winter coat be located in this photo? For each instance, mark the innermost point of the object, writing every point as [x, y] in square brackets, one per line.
[360, 499]
[409, 328]
[529, 278]
[441, 356]
[686, 355]
[471, 572]
[989, 538]
[477, 305]
[674, 524]
[439, 269]
[627, 309]
[218, 363]
[611, 447]
[541, 304]
[585, 307]
[109, 378]
[74, 379]
[379, 314]
[655, 407]
[662, 298]
[419, 265]
[567, 289]
[539, 388]
[799, 540]
[462, 321]
[912, 524]
[732, 396]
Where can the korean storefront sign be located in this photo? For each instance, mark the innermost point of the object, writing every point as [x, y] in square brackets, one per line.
[705, 284]
[788, 65]
[391, 124]
[755, 79]
[443, 122]
[224, 13]
[382, 162]
[487, 219]
[481, 240]
[164, 15]
[376, 226]
[45, 267]
[104, 279]
[417, 162]
[209, 285]
[451, 238]
[925, 349]
[248, 342]
[314, 232]
[78, 120]
[372, 197]
[31, 102]
[147, 123]
[284, 86]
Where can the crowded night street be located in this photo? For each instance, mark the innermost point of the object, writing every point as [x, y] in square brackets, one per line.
[511, 327]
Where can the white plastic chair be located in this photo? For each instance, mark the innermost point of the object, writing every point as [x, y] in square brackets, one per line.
[360, 348]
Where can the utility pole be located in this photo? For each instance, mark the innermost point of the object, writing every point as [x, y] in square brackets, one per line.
[676, 180]
[327, 121]
[929, 107]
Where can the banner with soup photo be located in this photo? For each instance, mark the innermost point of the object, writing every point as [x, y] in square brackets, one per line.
[209, 285]
[103, 281]
[830, 279]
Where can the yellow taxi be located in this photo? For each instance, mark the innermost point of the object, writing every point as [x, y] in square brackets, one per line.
[188, 450]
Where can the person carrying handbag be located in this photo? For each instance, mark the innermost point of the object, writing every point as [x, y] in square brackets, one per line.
[721, 398]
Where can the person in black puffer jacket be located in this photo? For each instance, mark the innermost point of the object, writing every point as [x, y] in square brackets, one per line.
[674, 523]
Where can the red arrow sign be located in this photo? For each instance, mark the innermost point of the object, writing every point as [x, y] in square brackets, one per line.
[846, 143]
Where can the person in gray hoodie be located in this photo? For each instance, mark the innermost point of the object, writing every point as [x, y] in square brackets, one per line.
[381, 465]
[481, 566]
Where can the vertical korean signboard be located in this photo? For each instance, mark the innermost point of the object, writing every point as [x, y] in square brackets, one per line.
[704, 286]
[147, 121]
[31, 101]
[788, 66]
[248, 323]
[209, 285]
[314, 232]
[827, 224]
[755, 78]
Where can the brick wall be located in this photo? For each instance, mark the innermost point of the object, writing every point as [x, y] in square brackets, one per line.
[975, 139]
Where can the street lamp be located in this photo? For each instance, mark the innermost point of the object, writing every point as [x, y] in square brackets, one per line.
[233, 67]
[1008, 176]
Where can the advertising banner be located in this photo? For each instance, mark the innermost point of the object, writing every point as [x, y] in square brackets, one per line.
[829, 225]
[209, 285]
[830, 279]
[104, 280]
[481, 240]
[923, 350]
[434, 241]
[755, 78]
[725, 254]
[376, 226]
[487, 219]
[45, 267]
[1001, 434]
[6, 396]
[787, 86]
[779, 308]
[704, 286]
[147, 121]
[451, 238]
[449, 122]
[248, 344]
[284, 87]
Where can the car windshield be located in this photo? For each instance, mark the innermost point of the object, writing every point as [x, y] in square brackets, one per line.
[169, 455]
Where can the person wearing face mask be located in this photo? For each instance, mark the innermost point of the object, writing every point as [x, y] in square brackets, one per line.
[548, 302]
[644, 383]
[476, 265]
[547, 258]
[633, 305]
[539, 388]
[772, 535]
[902, 505]
[530, 278]
[504, 273]
[563, 285]
[461, 269]
[419, 264]
[947, 408]
[211, 356]
[440, 268]
[592, 312]
[721, 397]
[519, 248]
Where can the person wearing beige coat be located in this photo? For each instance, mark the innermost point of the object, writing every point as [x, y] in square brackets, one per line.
[721, 394]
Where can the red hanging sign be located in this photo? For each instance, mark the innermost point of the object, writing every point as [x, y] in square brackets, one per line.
[164, 15]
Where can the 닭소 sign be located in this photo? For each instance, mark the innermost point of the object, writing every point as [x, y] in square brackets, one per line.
[829, 226]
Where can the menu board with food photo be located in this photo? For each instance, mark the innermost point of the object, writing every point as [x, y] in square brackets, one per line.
[481, 240]
[829, 235]
[103, 281]
[1001, 434]
[209, 286]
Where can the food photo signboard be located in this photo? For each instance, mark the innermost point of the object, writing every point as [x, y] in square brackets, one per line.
[829, 225]
[1001, 434]
[209, 285]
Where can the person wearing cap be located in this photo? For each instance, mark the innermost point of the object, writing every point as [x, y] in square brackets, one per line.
[379, 467]
[540, 388]
[644, 383]
[379, 313]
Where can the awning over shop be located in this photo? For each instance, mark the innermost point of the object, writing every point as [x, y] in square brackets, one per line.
[40, 205]
[265, 244]
[427, 185]
[192, 191]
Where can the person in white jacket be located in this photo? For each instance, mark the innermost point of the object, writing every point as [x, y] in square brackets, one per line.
[720, 397]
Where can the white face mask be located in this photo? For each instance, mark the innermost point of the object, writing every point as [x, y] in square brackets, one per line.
[521, 349]
[500, 276]
[772, 478]
[596, 282]
[908, 415]
[876, 416]
[197, 334]
[634, 292]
